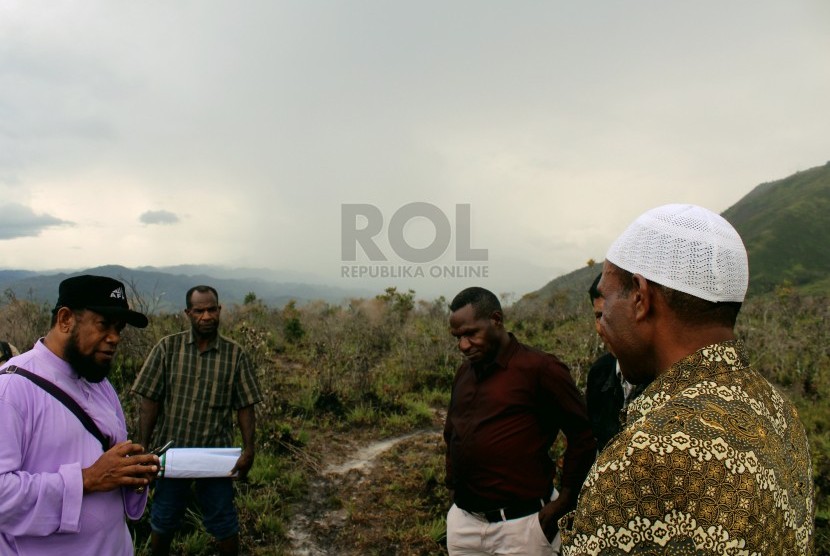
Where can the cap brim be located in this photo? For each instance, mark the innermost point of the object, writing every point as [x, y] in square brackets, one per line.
[133, 318]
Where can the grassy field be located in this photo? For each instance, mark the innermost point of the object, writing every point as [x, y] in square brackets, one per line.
[336, 376]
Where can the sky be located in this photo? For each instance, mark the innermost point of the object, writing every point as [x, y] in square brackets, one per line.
[487, 143]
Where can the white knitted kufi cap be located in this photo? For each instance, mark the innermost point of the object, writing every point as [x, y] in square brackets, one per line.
[685, 248]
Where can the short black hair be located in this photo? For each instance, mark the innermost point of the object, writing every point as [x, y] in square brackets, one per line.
[484, 302]
[188, 297]
[688, 307]
[5, 352]
[699, 311]
[593, 292]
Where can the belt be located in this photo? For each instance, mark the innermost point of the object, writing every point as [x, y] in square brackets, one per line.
[513, 511]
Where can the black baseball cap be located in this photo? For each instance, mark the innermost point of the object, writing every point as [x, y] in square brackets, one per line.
[103, 295]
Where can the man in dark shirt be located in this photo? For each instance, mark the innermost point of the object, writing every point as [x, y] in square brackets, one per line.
[607, 393]
[509, 402]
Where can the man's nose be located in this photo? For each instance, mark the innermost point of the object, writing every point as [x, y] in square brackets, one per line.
[463, 344]
[113, 335]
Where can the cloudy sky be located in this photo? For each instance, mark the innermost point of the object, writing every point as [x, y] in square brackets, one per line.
[237, 133]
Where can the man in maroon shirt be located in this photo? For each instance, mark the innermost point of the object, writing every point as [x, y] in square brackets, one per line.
[509, 402]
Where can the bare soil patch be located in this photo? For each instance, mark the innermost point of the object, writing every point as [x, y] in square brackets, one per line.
[373, 496]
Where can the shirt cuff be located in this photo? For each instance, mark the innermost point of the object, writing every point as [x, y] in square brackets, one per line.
[134, 502]
[73, 496]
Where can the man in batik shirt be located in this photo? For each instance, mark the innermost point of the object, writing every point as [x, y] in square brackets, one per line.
[713, 459]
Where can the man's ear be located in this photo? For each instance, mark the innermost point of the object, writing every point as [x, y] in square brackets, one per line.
[65, 319]
[642, 292]
[497, 317]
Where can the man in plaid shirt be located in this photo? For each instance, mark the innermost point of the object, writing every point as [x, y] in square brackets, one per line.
[190, 386]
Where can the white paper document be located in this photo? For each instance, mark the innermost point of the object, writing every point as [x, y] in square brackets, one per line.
[198, 463]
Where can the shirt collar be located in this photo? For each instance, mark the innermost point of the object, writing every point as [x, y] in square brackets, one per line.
[705, 363]
[56, 365]
[191, 339]
[501, 360]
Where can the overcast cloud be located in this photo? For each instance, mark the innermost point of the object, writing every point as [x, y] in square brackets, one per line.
[19, 221]
[246, 126]
[158, 217]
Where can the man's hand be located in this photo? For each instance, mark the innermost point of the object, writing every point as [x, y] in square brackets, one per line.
[247, 426]
[550, 514]
[125, 464]
[243, 464]
[548, 520]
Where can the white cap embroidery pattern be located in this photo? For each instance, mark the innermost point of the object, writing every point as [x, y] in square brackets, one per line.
[687, 248]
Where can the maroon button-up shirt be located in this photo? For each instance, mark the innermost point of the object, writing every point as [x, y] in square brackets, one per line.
[502, 421]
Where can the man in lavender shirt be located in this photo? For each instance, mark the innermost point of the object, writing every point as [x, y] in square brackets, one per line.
[60, 492]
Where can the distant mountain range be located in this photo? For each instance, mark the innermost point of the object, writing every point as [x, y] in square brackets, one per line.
[785, 225]
[163, 289]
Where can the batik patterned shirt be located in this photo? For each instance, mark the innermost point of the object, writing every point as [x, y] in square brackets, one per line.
[713, 461]
[199, 391]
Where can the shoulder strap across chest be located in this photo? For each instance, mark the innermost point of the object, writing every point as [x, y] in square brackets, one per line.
[65, 399]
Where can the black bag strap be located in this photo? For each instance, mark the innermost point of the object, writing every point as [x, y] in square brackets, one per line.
[65, 399]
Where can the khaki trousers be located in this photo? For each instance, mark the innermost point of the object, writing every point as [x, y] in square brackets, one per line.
[470, 535]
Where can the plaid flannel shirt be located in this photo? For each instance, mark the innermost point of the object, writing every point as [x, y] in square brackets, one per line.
[199, 392]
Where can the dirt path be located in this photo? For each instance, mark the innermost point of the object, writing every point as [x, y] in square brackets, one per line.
[316, 522]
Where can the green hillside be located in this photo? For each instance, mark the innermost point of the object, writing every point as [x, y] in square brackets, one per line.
[785, 225]
[566, 292]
